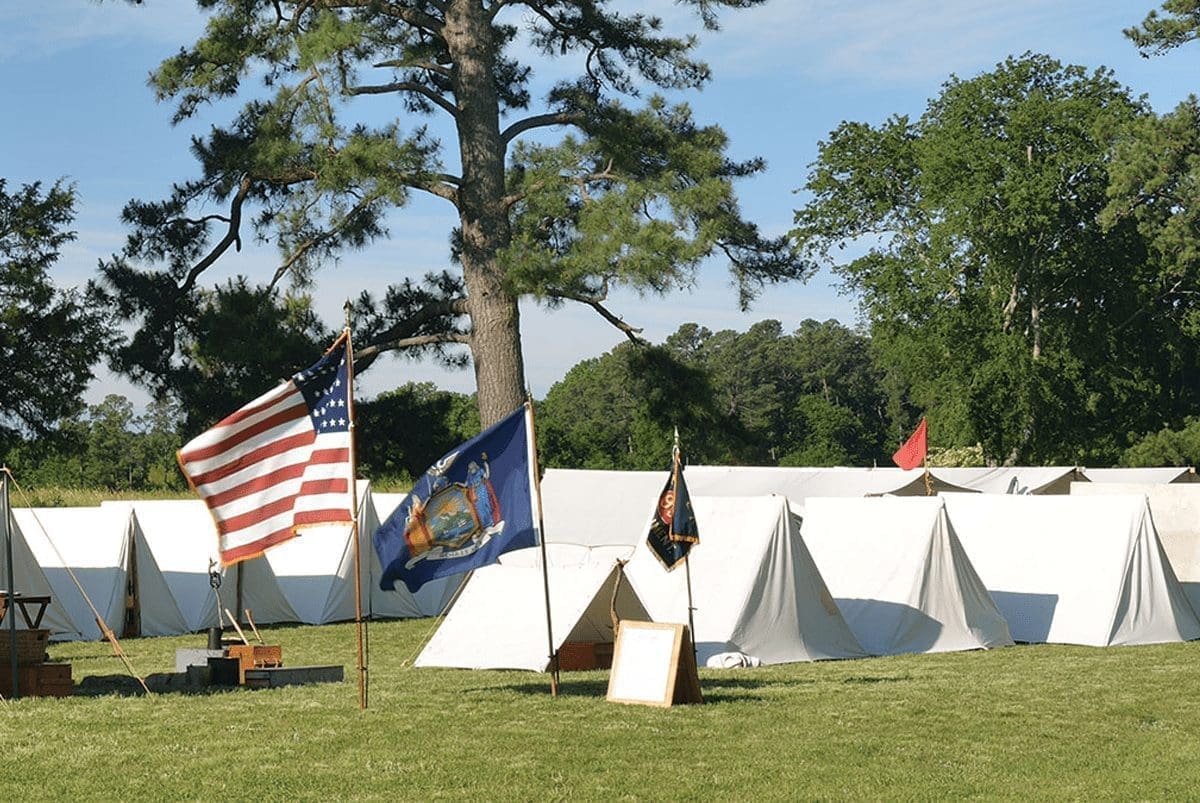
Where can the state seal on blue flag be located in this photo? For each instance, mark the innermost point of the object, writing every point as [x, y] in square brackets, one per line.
[467, 509]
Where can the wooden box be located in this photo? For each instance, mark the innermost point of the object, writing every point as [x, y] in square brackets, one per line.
[31, 646]
[38, 680]
[580, 655]
[256, 656]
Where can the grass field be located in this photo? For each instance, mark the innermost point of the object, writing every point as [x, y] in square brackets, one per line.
[1046, 722]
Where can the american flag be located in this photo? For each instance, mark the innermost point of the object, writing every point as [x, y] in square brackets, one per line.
[280, 463]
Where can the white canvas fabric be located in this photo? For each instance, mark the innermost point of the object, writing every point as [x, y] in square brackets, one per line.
[1176, 511]
[755, 587]
[1013, 479]
[93, 544]
[31, 580]
[1074, 570]
[431, 599]
[315, 570]
[799, 484]
[1140, 476]
[173, 541]
[900, 576]
[595, 507]
[499, 619]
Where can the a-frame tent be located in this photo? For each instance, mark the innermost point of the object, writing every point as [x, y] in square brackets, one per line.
[599, 507]
[173, 542]
[91, 543]
[315, 570]
[755, 587]
[801, 483]
[1176, 511]
[31, 580]
[1013, 479]
[900, 576]
[1156, 475]
[1074, 570]
[499, 618]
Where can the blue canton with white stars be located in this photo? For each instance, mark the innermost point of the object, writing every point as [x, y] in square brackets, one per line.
[326, 389]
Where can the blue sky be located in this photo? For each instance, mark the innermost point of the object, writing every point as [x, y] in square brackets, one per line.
[76, 105]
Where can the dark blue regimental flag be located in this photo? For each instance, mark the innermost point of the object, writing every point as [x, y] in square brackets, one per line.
[472, 505]
[673, 528]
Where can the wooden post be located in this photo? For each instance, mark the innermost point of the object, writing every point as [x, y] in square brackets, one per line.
[535, 470]
[358, 620]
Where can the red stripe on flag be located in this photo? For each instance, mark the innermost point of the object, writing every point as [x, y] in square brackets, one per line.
[256, 547]
[258, 484]
[292, 413]
[256, 516]
[241, 461]
[330, 515]
[334, 486]
[325, 456]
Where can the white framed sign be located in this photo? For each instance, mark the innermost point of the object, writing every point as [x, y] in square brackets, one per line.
[653, 664]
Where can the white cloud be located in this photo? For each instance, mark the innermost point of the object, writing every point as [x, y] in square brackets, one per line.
[896, 41]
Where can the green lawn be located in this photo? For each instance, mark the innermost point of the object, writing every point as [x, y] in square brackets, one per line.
[1045, 722]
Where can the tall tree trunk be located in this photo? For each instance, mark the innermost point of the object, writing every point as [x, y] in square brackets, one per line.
[493, 310]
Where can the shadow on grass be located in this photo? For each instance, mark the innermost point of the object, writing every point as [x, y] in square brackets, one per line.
[715, 690]
[867, 679]
[158, 683]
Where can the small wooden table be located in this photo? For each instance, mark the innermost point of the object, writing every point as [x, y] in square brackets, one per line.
[23, 602]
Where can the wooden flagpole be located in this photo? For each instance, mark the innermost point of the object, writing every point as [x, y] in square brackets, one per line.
[537, 485]
[358, 618]
[11, 610]
[687, 563]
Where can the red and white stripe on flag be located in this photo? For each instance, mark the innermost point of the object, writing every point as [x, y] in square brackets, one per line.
[280, 463]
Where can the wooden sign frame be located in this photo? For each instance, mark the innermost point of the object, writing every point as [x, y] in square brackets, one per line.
[653, 664]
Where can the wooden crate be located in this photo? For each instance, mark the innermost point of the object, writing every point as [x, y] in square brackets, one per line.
[255, 656]
[39, 680]
[31, 646]
[580, 655]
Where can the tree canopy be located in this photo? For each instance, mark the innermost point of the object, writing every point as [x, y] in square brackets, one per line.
[995, 291]
[1159, 33]
[334, 139]
[50, 339]
[814, 397]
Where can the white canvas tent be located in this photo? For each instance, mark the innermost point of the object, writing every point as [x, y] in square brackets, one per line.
[173, 542]
[1176, 511]
[1140, 476]
[900, 576]
[315, 570]
[1071, 570]
[431, 598]
[1013, 479]
[92, 543]
[798, 484]
[755, 587]
[499, 619]
[29, 579]
[596, 507]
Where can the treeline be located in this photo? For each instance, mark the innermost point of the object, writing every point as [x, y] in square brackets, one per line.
[817, 396]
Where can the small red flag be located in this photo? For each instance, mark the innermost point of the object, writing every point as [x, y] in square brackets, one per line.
[912, 453]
